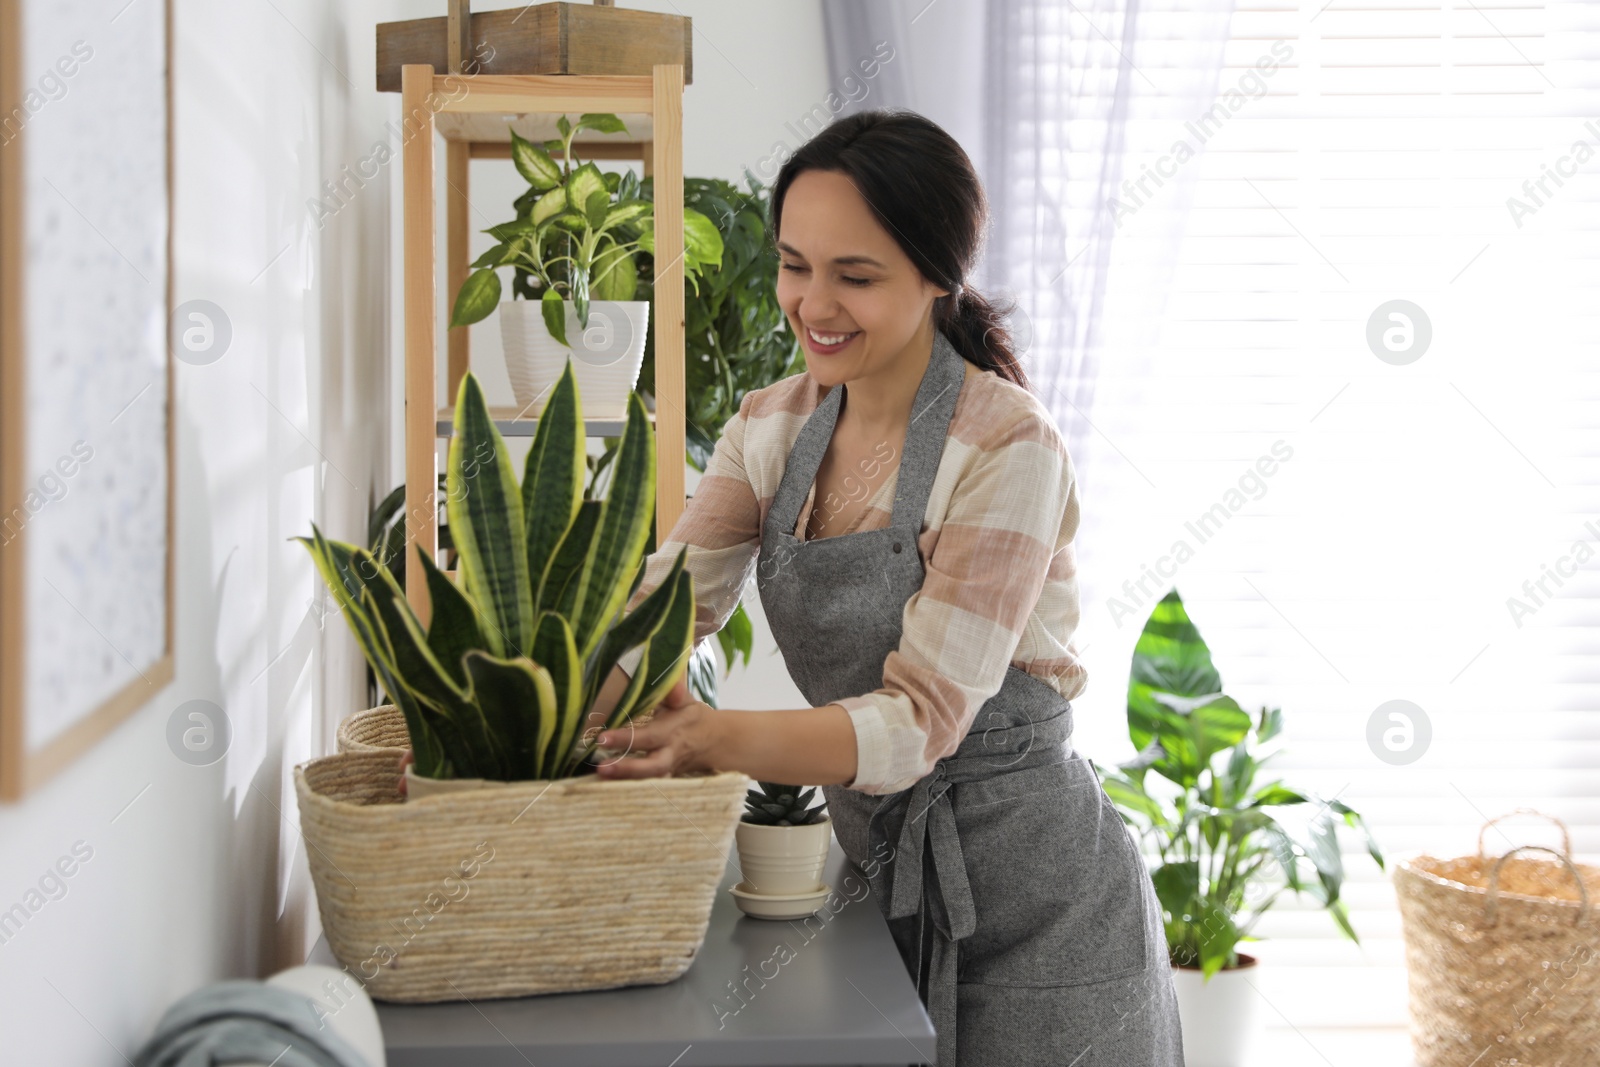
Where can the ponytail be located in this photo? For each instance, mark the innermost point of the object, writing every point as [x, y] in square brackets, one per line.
[977, 329]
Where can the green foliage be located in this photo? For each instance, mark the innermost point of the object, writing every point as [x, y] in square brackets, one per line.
[499, 685]
[773, 804]
[1217, 831]
[577, 235]
[737, 338]
[736, 335]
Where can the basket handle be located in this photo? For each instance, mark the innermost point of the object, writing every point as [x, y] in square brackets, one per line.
[1494, 883]
[1566, 838]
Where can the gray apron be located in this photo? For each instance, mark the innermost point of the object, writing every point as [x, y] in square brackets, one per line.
[1019, 904]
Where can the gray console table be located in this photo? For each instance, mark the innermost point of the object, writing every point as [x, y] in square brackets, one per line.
[832, 992]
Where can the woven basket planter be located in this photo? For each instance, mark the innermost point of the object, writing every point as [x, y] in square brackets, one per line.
[1502, 958]
[540, 887]
[374, 729]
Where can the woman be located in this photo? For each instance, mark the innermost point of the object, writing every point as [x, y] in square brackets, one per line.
[925, 607]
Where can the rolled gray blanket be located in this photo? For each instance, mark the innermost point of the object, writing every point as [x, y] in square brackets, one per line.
[245, 1021]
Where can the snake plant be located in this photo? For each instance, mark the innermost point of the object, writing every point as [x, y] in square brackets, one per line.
[501, 681]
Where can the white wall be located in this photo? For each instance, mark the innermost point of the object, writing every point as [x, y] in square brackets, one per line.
[197, 873]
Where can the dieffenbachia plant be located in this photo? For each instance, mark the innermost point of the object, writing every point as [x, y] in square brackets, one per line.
[501, 681]
[569, 233]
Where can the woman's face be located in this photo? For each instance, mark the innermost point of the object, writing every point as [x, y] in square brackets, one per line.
[841, 273]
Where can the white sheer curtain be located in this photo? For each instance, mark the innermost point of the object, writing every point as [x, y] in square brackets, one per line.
[1051, 100]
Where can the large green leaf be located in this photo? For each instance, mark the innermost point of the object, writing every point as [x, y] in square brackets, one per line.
[554, 311]
[634, 629]
[603, 121]
[667, 657]
[554, 650]
[1197, 728]
[485, 509]
[626, 212]
[1169, 657]
[1275, 793]
[497, 256]
[1177, 886]
[614, 554]
[549, 205]
[552, 478]
[518, 702]
[1217, 935]
[702, 242]
[561, 578]
[478, 754]
[583, 183]
[617, 278]
[479, 295]
[347, 589]
[1129, 795]
[534, 163]
[737, 637]
[454, 628]
[596, 207]
[1356, 822]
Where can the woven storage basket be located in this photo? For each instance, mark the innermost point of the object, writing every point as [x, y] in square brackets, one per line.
[1502, 957]
[377, 728]
[540, 887]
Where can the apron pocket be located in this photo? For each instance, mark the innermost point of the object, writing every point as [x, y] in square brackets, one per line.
[1056, 881]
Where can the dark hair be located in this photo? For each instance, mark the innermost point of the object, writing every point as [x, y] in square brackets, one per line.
[920, 183]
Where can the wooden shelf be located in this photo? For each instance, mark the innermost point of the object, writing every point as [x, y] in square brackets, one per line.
[495, 128]
[511, 423]
[550, 38]
[478, 123]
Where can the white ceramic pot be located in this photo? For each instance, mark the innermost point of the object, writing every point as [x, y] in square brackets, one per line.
[1221, 1018]
[783, 860]
[606, 356]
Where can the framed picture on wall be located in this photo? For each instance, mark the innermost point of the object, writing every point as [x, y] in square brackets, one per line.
[86, 379]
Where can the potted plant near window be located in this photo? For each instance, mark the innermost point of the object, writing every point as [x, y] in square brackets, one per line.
[495, 694]
[574, 243]
[783, 846]
[1221, 837]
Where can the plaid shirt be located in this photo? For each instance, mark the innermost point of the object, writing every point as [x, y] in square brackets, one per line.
[1000, 582]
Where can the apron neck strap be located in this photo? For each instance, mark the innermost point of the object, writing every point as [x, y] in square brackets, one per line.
[931, 411]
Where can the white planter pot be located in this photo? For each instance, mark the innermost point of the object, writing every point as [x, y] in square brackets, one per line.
[1221, 1018]
[783, 860]
[606, 357]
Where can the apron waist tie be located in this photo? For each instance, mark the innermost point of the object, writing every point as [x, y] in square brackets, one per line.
[930, 817]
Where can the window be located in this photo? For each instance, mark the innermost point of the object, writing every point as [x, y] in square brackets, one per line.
[1434, 536]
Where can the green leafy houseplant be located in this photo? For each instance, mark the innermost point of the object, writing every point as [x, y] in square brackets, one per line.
[501, 682]
[736, 336]
[773, 804]
[736, 339]
[576, 236]
[1216, 830]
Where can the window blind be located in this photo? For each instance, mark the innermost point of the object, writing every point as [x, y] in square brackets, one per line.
[1432, 536]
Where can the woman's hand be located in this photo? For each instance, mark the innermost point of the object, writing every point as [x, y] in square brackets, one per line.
[683, 736]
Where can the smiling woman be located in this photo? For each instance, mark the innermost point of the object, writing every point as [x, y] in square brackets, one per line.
[909, 511]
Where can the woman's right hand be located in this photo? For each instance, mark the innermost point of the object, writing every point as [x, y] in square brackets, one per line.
[405, 761]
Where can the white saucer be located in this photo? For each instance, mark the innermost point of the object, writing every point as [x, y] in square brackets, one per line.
[788, 906]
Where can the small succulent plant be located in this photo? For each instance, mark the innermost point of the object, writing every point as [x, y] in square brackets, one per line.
[781, 805]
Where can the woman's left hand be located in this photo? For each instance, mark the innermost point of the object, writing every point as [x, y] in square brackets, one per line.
[682, 737]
